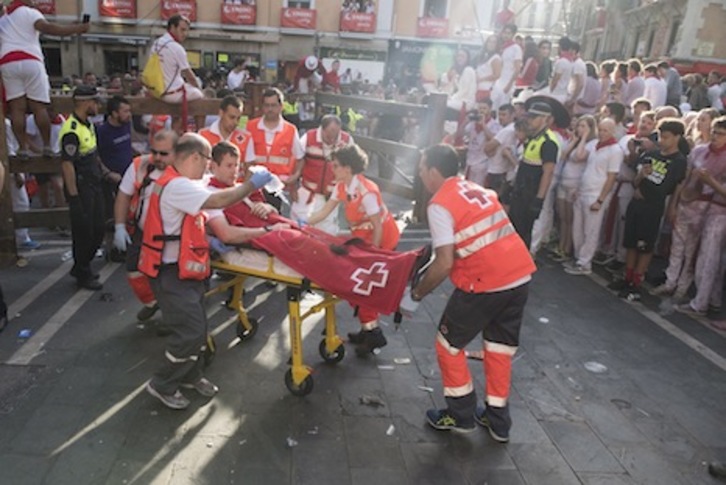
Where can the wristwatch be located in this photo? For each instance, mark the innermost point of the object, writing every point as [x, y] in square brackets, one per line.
[267, 228]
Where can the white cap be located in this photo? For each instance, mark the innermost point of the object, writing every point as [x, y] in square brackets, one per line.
[311, 63]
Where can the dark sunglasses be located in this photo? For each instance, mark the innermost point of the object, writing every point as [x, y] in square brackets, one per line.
[157, 152]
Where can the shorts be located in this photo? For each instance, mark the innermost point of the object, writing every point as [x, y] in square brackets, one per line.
[566, 193]
[642, 225]
[498, 316]
[26, 78]
[193, 94]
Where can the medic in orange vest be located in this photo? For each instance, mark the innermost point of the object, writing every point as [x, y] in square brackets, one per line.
[226, 127]
[317, 180]
[490, 266]
[369, 220]
[274, 142]
[129, 211]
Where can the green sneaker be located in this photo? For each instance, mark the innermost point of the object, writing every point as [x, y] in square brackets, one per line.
[443, 420]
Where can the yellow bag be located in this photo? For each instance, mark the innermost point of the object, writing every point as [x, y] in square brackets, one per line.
[153, 76]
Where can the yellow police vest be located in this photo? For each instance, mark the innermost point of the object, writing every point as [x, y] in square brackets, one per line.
[353, 119]
[290, 108]
[533, 149]
[86, 134]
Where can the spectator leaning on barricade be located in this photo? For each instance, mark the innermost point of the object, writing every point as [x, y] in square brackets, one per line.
[23, 70]
[180, 83]
[660, 173]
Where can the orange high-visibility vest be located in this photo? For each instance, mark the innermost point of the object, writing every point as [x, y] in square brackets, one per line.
[193, 260]
[489, 254]
[317, 173]
[279, 159]
[360, 223]
[239, 138]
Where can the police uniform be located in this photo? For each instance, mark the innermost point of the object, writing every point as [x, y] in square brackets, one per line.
[78, 146]
[525, 207]
[491, 271]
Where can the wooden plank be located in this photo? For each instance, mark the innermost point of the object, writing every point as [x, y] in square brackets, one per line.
[58, 216]
[393, 188]
[371, 105]
[35, 165]
[142, 105]
[388, 147]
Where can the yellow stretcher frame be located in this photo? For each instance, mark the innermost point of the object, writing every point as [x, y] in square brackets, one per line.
[298, 379]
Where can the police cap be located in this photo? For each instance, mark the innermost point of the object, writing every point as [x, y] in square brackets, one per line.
[84, 92]
[539, 109]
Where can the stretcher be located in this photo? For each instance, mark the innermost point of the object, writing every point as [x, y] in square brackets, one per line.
[247, 263]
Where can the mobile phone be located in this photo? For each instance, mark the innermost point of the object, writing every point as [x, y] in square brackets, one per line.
[86, 18]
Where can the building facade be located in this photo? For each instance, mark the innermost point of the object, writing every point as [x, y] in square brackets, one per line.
[271, 32]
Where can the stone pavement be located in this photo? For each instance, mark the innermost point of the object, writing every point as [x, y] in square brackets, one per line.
[601, 395]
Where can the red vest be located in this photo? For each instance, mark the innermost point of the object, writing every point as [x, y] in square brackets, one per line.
[193, 246]
[238, 138]
[279, 159]
[488, 252]
[317, 173]
[360, 223]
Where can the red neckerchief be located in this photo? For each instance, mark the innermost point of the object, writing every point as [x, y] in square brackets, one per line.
[508, 43]
[14, 5]
[632, 129]
[606, 143]
[173, 36]
[214, 182]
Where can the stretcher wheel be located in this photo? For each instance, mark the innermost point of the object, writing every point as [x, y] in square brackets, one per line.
[302, 389]
[210, 352]
[245, 334]
[333, 357]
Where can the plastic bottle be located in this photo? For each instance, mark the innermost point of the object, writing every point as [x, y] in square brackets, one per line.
[275, 186]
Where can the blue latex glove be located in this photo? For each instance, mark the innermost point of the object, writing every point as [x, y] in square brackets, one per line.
[218, 246]
[121, 238]
[260, 178]
[302, 222]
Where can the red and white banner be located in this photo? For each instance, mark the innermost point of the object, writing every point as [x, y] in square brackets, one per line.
[357, 22]
[298, 18]
[187, 8]
[239, 14]
[432, 27]
[46, 7]
[122, 9]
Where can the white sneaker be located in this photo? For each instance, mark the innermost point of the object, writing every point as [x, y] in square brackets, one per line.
[662, 290]
[578, 270]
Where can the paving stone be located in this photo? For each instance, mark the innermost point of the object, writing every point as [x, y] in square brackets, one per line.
[541, 464]
[368, 443]
[648, 467]
[581, 447]
[78, 385]
[379, 476]
[320, 462]
[495, 477]
[610, 424]
[88, 460]
[525, 427]
[431, 463]
[148, 471]
[50, 426]
[23, 469]
[605, 479]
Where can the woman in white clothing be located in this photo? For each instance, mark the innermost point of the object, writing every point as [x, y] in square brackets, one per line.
[574, 161]
[488, 70]
[462, 78]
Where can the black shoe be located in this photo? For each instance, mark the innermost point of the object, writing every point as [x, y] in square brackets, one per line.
[147, 312]
[717, 469]
[496, 420]
[355, 337]
[77, 274]
[618, 285]
[443, 420]
[615, 267]
[371, 340]
[89, 284]
[630, 293]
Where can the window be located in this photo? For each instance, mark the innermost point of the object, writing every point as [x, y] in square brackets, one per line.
[435, 8]
[672, 39]
[299, 4]
[53, 61]
[532, 14]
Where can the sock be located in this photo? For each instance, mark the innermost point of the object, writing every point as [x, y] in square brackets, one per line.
[629, 275]
[637, 279]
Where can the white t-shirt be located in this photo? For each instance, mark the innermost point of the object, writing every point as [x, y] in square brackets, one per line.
[510, 55]
[486, 70]
[563, 67]
[180, 197]
[507, 138]
[127, 186]
[579, 69]
[627, 173]
[600, 163]
[714, 96]
[466, 88]
[656, 91]
[31, 128]
[441, 225]
[237, 80]
[636, 88]
[173, 61]
[297, 149]
[18, 33]
[369, 201]
[571, 173]
[475, 153]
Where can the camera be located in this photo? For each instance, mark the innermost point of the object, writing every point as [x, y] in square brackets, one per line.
[473, 115]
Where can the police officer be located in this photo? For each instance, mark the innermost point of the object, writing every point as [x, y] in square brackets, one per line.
[83, 176]
[479, 250]
[175, 255]
[535, 171]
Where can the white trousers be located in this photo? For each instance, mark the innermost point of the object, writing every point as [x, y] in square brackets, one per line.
[586, 227]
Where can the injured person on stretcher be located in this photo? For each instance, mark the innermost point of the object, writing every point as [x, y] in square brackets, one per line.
[349, 269]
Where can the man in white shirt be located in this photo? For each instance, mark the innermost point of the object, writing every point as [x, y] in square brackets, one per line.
[579, 73]
[480, 130]
[499, 166]
[22, 66]
[237, 76]
[636, 84]
[179, 80]
[656, 89]
[512, 56]
[561, 73]
[714, 90]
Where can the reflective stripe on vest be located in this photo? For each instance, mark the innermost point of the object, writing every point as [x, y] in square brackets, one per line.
[279, 159]
[533, 149]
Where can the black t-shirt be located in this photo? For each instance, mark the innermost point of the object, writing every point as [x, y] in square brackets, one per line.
[528, 175]
[668, 172]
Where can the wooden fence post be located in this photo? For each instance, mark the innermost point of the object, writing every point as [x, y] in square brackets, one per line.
[434, 134]
[8, 249]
